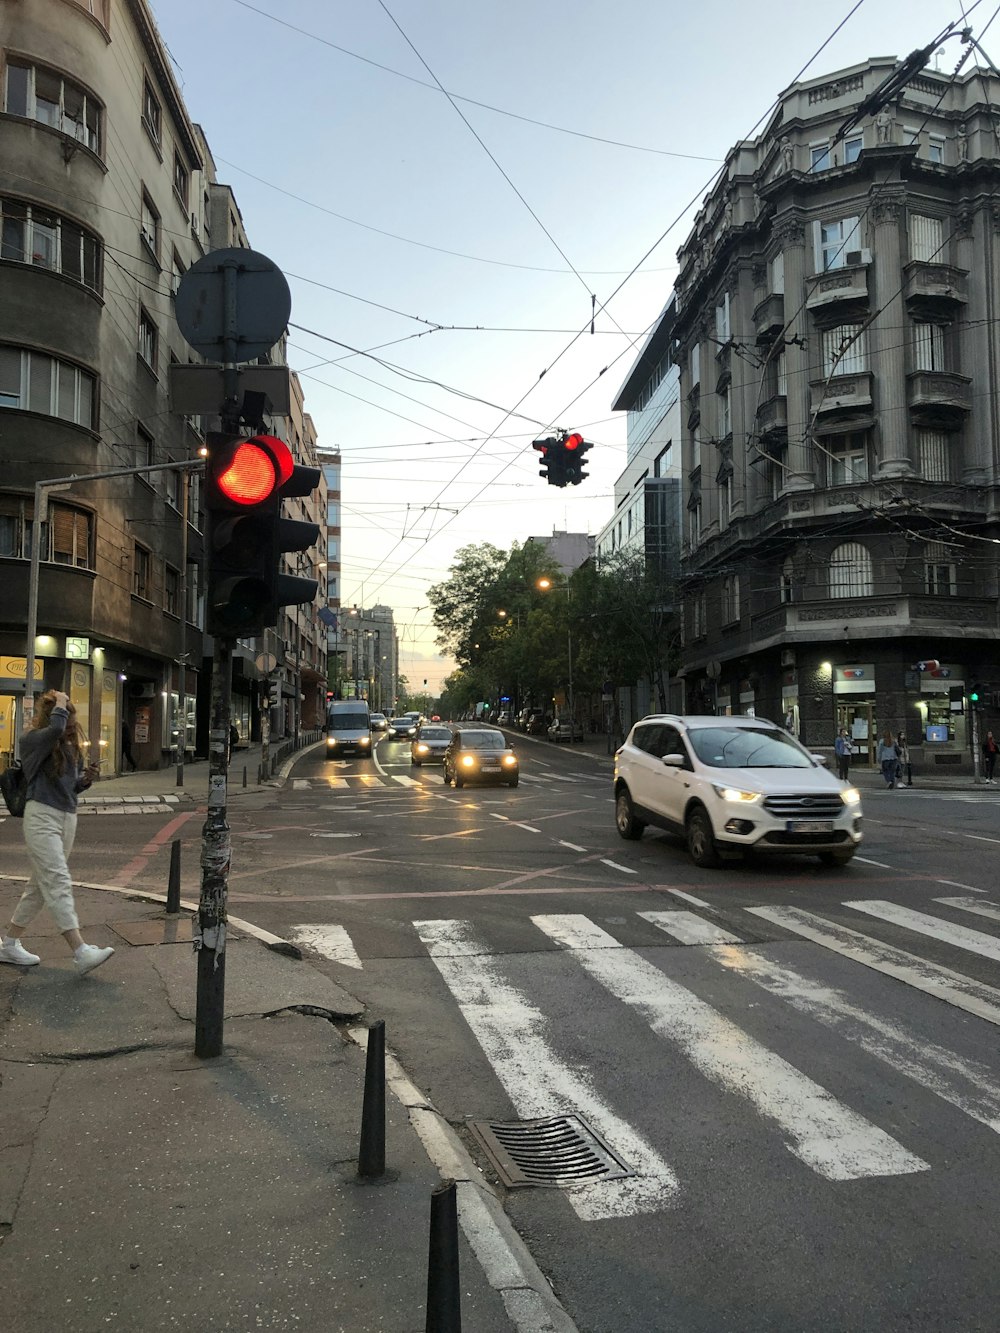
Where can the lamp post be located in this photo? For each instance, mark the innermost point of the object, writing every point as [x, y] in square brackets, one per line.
[546, 583]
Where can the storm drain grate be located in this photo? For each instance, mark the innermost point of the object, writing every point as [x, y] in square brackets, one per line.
[556, 1151]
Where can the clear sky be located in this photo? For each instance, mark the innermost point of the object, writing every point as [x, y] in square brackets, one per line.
[402, 238]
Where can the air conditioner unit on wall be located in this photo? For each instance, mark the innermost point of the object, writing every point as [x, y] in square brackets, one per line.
[858, 257]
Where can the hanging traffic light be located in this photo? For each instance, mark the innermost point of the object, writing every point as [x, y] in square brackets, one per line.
[574, 449]
[245, 480]
[553, 461]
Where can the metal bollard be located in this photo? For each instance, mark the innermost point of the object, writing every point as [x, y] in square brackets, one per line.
[174, 881]
[244, 775]
[371, 1158]
[444, 1292]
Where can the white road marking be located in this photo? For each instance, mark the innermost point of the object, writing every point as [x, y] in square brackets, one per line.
[953, 884]
[301, 784]
[961, 937]
[974, 905]
[615, 866]
[494, 815]
[528, 828]
[336, 782]
[513, 1036]
[933, 979]
[688, 897]
[690, 928]
[869, 862]
[829, 1137]
[332, 942]
[560, 777]
[333, 835]
[965, 1084]
[978, 837]
[573, 846]
[405, 780]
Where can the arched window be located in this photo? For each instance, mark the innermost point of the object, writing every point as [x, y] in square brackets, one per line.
[851, 571]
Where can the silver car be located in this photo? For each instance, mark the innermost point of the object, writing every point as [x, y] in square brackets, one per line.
[429, 745]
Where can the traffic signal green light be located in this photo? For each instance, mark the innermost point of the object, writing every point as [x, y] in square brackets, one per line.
[974, 695]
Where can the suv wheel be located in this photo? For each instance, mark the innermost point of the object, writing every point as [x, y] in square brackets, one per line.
[836, 858]
[628, 826]
[700, 840]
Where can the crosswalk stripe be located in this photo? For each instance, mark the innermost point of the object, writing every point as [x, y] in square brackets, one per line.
[961, 937]
[689, 897]
[332, 942]
[690, 928]
[952, 987]
[941, 1071]
[975, 905]
[405, 780]
[369, 779]
[511, 1031]
[829, 1137]
[301, 784]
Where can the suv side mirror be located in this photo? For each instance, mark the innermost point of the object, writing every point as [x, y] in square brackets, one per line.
[674, 761]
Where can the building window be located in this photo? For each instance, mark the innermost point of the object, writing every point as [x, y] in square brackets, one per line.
[939, 570]
[834, 241]
[845, 350]
[928, 347]
[67, 537]
[935, 147]
[695, 512]
[180, 179]
[147, 339]
[34, 382]
[33, 235]
[71, 536]
[851, 571]
[819, 157]
[722, 319]
[43, 95]
[852, 148]
[661, 463]
[171, 590]
[141, 569]
[787, 584]
[778, 274]
[695, 365]
[927, 239]
[933, 455]
[730, 599]
[725, 412]
[726, 496]
[149, 226]
[177, 271]
[846, 459]
[698, 617]
[151, 117]
[97, 9]
[145, 451]
[777, 455]
[171, 480]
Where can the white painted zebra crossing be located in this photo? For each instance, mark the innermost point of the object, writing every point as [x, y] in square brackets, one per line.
[830, 1137]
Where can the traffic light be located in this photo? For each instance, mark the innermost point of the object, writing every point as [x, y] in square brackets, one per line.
[575, 447]
[974, 695]
[245, 480]
[553, 461]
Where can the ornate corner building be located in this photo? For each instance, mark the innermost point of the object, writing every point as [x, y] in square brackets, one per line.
[836, 332]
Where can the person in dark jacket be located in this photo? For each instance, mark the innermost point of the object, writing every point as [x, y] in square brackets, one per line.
[886, 757]
[842, 748]
[990, 751]
[52, 759]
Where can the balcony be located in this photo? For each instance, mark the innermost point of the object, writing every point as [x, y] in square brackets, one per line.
[843, 286]
[772, 417]
[769, 317]
[938, 396]
[934, 289]
[844, 393]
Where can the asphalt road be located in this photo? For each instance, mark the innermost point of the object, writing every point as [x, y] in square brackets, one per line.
[797, 1066]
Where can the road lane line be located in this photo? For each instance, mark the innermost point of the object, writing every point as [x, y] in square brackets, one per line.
[973, 996]
[869, 862]
[974, 905]
[513, 1035]
[961, 937]
[615, 866]
[528, 828]
[331, 942]
[690, 928]
[954, 884]
[573, 846]
[689, 898]
[826, 1135]
[494, 815]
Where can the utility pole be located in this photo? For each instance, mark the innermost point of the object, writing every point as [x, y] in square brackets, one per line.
[182, 655]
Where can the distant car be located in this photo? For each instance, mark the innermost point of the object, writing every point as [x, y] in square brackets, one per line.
[429, 744]
[563, 730]
[537, 724]
[402, 728]
[435, 717]
[503, 719]
[480, 754]
[379, 722]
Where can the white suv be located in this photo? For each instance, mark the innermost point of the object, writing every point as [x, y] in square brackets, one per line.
[733, 784]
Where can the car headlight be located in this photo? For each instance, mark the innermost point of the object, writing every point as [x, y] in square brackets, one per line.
[468, 761]
[331, 740]
[423, 749]
[735, 794]
[365, 740]
[510, 760]
[851, 796]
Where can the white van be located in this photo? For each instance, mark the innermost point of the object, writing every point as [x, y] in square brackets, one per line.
[348, 728]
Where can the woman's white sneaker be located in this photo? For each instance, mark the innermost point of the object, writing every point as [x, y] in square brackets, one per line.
[13, 951]
[89, 956]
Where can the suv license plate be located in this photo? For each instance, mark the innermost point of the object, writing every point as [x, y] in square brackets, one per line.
[809, 826]
[489, 768]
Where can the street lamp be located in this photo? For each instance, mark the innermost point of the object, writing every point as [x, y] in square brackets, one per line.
[545, 584]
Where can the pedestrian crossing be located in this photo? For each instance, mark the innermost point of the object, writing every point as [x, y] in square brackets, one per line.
[434, 779]
[701, 1023]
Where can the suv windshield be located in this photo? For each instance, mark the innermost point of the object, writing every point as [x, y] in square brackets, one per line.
[746, 747]
[483, 740]
[435, 734]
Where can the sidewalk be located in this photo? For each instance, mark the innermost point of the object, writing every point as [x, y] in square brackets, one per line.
[160, 784]
[142, 1188]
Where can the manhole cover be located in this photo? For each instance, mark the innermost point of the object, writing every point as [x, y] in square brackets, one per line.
[556, 1151]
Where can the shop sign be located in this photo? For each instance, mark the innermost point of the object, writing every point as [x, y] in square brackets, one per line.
[15, 667]
[78, 649]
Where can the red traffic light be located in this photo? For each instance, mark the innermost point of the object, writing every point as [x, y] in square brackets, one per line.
[573, 441]
[254, 469]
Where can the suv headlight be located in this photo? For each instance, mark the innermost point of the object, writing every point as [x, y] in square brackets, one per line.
[468, 761]
[851, 796]
[734, 793]
[423, 749]
[510, 759]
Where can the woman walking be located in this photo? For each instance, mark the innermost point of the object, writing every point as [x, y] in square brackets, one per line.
[990, 751]
[842, 748]
[54, 769]
[903, 751]
[886, 758]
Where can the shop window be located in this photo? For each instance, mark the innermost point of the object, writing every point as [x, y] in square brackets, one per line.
[851, 571]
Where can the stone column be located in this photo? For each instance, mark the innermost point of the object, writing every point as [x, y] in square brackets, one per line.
[887, 343]
[790, 233]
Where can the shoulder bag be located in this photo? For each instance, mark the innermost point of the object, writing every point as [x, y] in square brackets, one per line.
[14, 786]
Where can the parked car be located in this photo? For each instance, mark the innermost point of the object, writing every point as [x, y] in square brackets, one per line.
[730, 785]
[537, 724]
[563, 730]
[402, 728]
[429, 744]
[503, 718]
[379, 722]
[480, 754]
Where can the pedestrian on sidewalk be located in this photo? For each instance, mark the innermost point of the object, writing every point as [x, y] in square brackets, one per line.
[886, 758]
[127, 755]
[54, 769]
[990, 751]
[842, 747]
[904, 765]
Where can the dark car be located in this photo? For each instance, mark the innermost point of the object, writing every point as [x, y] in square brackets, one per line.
[429, 744]
[402, 728]
[480, 754]
[379, 722]
[537, 724]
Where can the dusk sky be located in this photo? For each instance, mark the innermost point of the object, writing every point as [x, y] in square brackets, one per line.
[465, 277]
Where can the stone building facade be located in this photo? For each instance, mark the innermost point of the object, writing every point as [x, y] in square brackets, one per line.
[837, 339]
